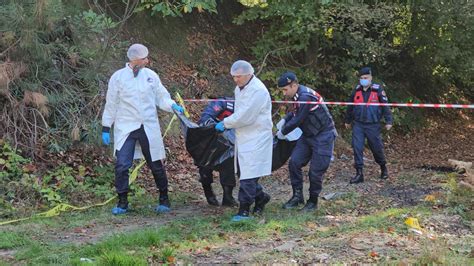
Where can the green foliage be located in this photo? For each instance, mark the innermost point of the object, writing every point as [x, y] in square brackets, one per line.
[97, 23]
[329, 40]
[168, 254]
[115, 258]
[21, 185]
[421, 49]
[440, 50]
[64, 51]
[16, 180]
[176, 8]
[252, 3]
[11, 163]
[460, 198]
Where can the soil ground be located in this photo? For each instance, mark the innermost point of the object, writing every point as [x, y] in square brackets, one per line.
[360, 223]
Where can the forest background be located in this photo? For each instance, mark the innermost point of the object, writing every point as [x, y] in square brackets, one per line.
[56, 57]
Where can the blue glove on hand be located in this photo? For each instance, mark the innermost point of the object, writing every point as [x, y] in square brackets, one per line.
[220, 127]
[177, 108]
[106, 138]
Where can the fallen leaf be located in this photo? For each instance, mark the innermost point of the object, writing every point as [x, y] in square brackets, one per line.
[430, 198]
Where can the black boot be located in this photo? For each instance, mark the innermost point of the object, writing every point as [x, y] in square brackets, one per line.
[164, 200]
[295, 200]
[122, 205]
[243, 213]
[227, 198]
[123, 201]
[260, 204]
[358, 178]
[311, 204]
[164, 203]
[383, 172]
[210, 196]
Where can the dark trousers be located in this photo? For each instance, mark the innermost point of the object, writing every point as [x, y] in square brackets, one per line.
[226, 173]
[249, 191]
[125, 160]
[372, 131]
[319, 150]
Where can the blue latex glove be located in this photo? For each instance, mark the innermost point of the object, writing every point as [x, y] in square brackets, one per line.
[220, 127]
[177, 108]
[106, 138]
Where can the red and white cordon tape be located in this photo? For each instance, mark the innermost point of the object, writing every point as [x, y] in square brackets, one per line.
[418, 105]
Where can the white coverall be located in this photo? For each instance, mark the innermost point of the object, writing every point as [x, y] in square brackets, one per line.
[252, 121]
[132, 101]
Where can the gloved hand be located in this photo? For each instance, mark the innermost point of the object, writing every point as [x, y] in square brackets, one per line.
[280, 135]
[177, 108]
[106, 138]
[220, 127]
[280, 124]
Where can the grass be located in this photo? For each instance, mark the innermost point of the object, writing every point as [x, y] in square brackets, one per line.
[181, 240]
[160, 243]
[177, 239]
[10, 240]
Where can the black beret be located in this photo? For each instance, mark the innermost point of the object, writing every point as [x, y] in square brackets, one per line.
[286, 78]
[365, 71]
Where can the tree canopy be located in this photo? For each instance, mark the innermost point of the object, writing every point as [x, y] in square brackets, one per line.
[53, 53]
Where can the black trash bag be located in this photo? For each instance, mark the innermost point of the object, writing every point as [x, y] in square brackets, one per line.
[209, 148]
[282, 150]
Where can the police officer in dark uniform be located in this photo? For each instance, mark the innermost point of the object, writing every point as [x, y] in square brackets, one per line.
[365, 120]
[315, 145]
[215, 112]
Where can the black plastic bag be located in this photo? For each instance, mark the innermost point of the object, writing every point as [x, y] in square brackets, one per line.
[209, 148]
[281, 152]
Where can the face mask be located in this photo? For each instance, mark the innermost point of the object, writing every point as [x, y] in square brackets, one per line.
[364, 82]
[136, 69]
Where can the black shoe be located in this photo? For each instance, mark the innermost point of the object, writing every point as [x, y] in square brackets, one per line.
[212, 201]
[311, 205]
[260, 204]
[358, 178]
[227, 198]
[210, 196]
[295, 200]
[383, 172]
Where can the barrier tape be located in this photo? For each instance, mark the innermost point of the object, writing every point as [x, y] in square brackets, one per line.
[63, 207]
[418, 105]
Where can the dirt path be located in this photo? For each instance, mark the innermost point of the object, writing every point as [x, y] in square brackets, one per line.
[414, 174]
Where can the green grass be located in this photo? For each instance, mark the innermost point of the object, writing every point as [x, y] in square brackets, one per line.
[12, 239]
[175, 239]
[178, 240]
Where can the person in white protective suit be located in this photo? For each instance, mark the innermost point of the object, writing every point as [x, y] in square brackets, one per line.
[133, 95]
[252, 122]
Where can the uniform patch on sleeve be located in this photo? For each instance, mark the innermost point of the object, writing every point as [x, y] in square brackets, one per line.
[149, 80]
